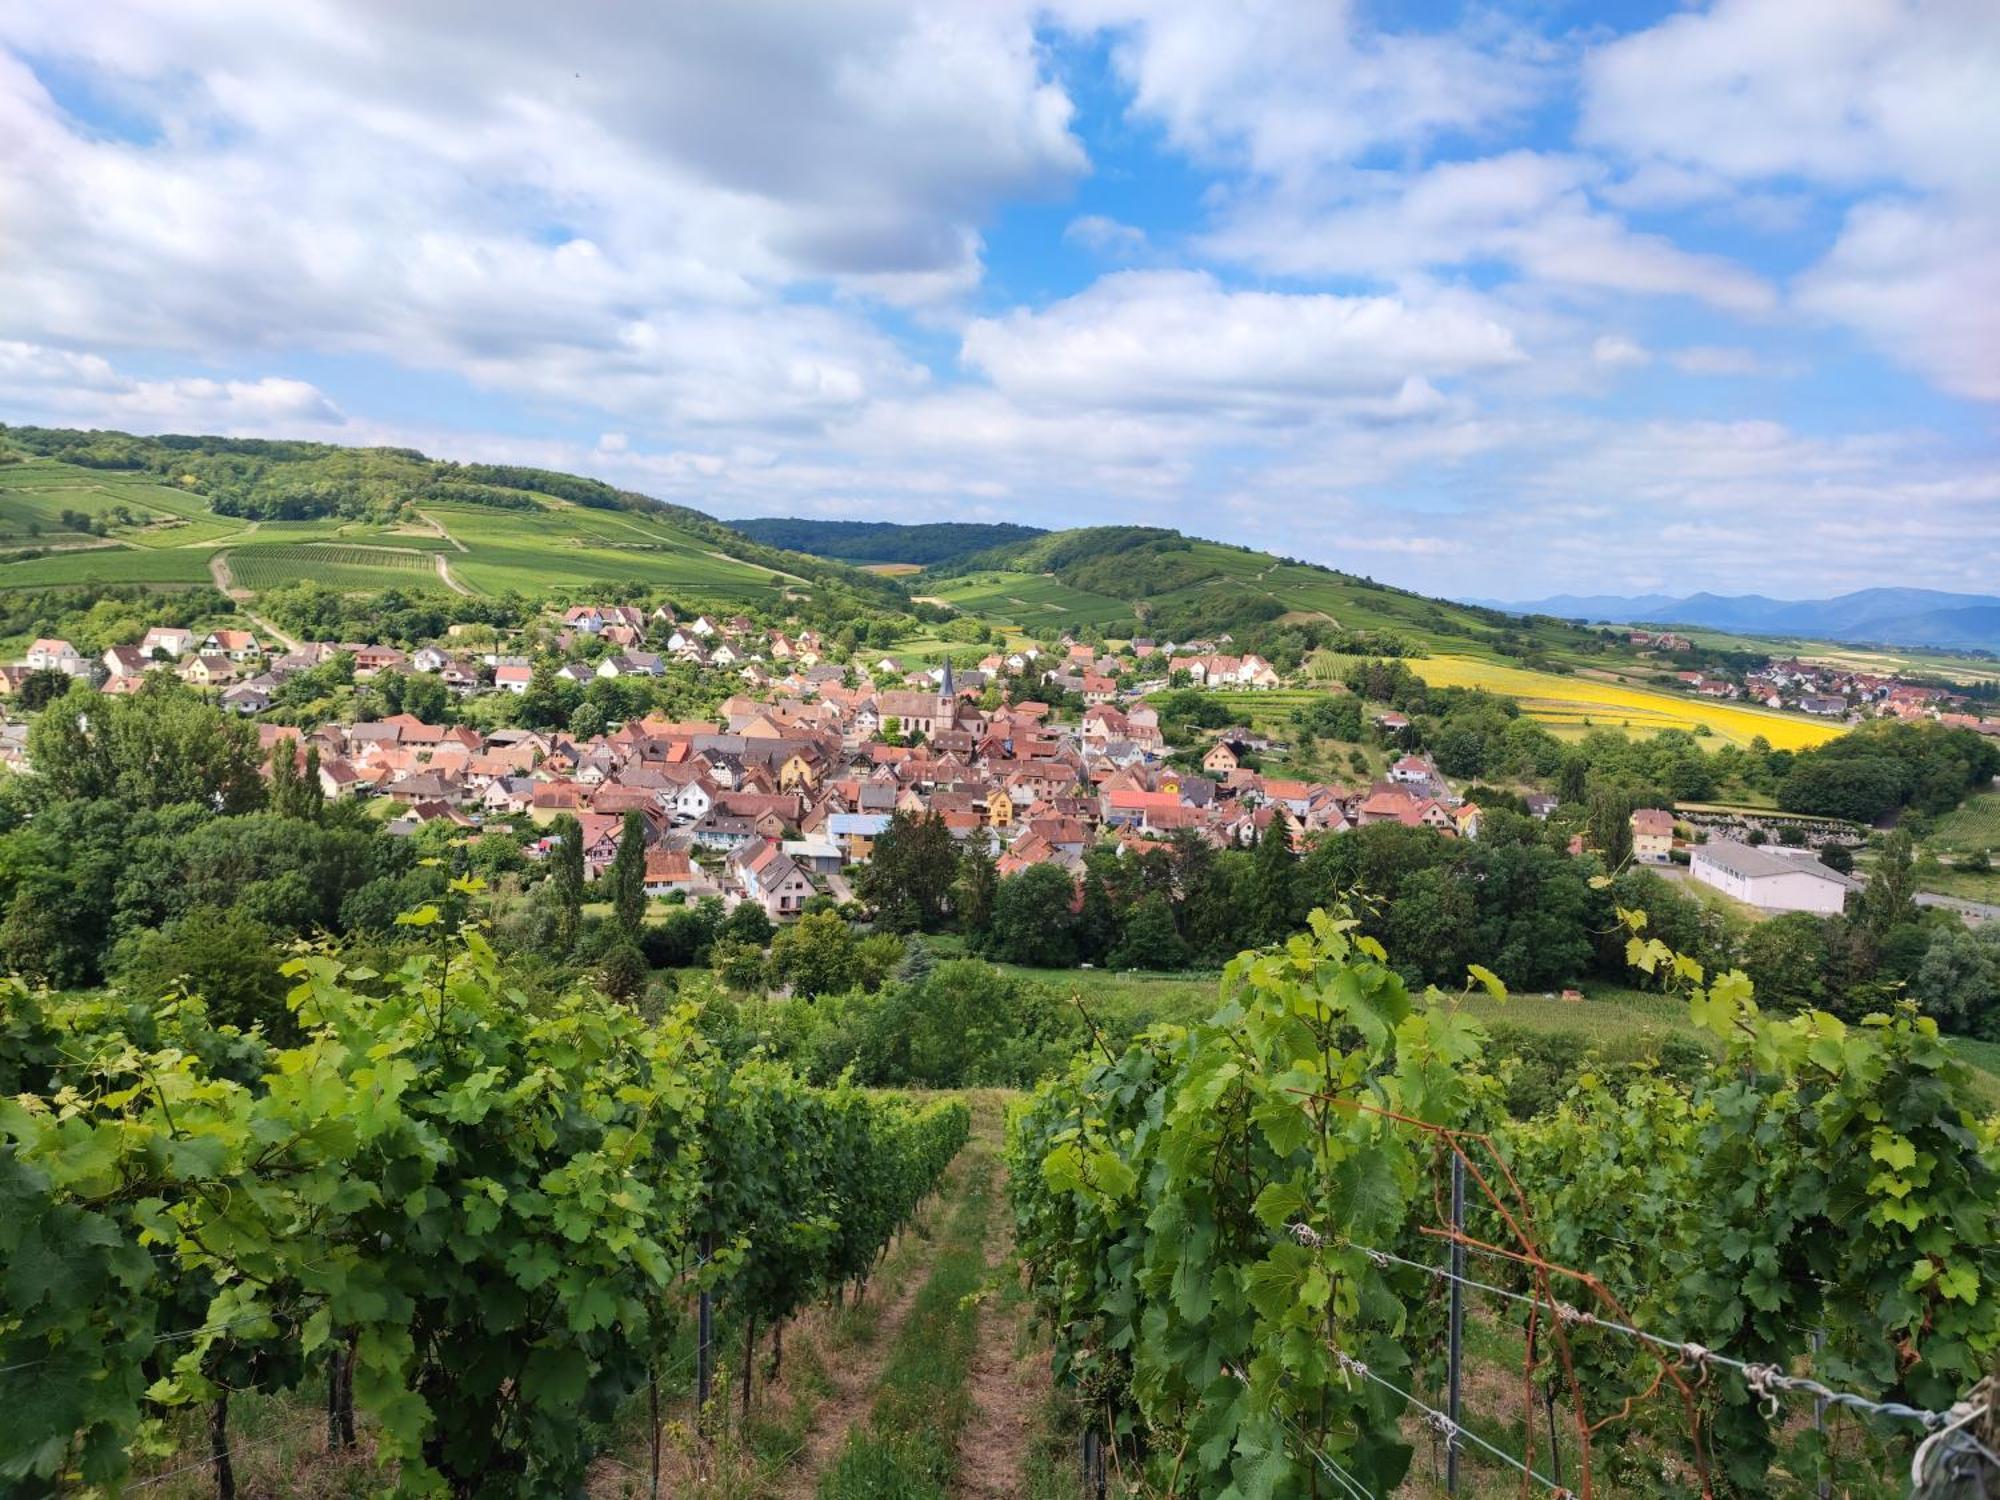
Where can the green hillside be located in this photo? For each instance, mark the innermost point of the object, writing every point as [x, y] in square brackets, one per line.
[110, 508]
[927, 545]
[1124, 580]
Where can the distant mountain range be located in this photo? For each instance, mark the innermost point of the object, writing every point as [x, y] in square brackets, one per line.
[1888, 617]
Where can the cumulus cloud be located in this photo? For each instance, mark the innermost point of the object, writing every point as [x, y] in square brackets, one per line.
[647, 192]
[1891, 99]
[55, 385]
[1167, 340]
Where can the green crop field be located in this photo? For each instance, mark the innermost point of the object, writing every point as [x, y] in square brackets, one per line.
[335, 564]
[531, 550]
[163, 567]
[1035, 602]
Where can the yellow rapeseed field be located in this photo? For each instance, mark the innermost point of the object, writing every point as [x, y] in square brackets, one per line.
[1565, 702]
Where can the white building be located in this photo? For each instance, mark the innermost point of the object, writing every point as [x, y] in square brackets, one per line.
[1771, 882]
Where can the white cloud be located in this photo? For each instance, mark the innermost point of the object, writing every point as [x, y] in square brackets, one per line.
[1178, 340]
[1920, 284]
[1615, 351]
[1104, 235]
[640, 207]
[1896, 99]
[1285, 89]
[1527, 209]
[58, 386]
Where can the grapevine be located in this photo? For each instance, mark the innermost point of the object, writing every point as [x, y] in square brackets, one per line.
[469, 1217]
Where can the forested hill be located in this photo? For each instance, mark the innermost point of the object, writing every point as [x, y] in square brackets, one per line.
[927, 545]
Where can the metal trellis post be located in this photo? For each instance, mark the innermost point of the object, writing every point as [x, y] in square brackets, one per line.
[1457, 1333]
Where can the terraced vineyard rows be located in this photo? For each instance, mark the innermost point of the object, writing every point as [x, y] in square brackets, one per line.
[337, 565]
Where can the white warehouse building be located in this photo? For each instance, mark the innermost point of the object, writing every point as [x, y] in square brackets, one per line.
[1771, 882]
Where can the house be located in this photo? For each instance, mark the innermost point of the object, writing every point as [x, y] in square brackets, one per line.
[1652, 836]
[237, 645]
[338, 778]
[856, 833]
[1221, 758]
[247, 697]
[630, 664]
[669, 870]
[126, 661]
[53, 654]
[209, 671]
[168, 640]
[1412, 770]
[513, 677]
[368, 660]
[779, 886]
[1771, 882]
[1825, 707]
[1540, 805]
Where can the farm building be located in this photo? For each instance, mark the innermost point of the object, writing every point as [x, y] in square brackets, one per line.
[1772, 882]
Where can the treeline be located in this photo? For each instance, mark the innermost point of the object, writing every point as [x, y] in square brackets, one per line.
[1514, 900]
[152, 844]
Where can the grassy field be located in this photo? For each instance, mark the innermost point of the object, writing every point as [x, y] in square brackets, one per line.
[491, 550]
[1971, 827]
[338, 565]
[1565, 702]
[1033, 601]
[160, 566]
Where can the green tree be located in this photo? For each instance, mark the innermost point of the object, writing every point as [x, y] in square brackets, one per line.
[1272, 898]
[908, 878]
[1959, 980]
[1889, 898]
[566, 880]
[224, 956]
[1150, 940]
[1032, 919]
[628, 877]
[816, 955]
[974, 891]
[162, 745]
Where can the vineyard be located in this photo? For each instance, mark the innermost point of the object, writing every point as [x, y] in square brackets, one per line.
[337, 565]
[479, 1226]
[1260, 1241]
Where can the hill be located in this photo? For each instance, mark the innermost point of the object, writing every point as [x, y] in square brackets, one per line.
[108, 507]
[925, 545]
[1879, 616]
[1125, 580]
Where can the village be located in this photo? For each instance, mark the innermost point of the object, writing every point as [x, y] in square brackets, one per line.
[1821, 689]
[779, 796]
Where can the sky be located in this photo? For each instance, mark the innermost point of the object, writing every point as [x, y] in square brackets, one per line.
[1484, 300]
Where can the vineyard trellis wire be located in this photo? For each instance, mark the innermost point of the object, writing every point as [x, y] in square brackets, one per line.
[1244, 1193]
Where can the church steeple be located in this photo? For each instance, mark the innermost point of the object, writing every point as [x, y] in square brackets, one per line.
[947, 704]
[946, 688]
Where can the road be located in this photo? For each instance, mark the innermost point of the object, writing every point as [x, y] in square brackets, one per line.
[218, 569]
[1978, 911]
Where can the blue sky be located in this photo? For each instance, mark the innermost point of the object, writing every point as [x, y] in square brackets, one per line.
[1484, 300]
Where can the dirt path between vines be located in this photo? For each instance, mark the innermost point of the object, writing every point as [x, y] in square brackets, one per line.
[1007, 1386]
[855, 1371]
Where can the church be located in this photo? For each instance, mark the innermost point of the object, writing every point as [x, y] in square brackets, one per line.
[927, 713]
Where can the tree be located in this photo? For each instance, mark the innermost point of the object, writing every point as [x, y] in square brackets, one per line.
[1272, 901]
[748, 922]
[623, 972]
[1889, 898]
[224, 956]
[1032, 919]
[908, 878]
[566, 880]
[587, 721]
[1837, 857]
[816, 955]
[1150, 941]
[39, 689]
[295, 793]
[628, 877]
[738, 964]
[162, 745]
[975, 890]
[1959, 980]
